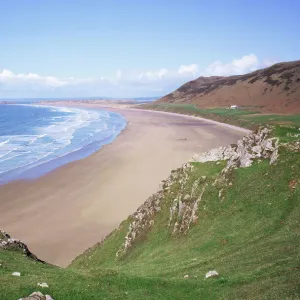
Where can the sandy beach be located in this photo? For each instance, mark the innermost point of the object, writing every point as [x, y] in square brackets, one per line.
[61, 214]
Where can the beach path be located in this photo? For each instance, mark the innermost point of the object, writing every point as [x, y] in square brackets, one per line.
[62, 213]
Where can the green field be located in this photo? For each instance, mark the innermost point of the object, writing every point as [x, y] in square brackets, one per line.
[241, 117]
[251, 237]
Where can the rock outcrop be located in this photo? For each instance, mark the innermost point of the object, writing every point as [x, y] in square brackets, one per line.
[183, 211]
[142, 221]
[8, 243]
[255, 145]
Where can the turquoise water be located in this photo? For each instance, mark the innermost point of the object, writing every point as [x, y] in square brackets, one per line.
[37, 139]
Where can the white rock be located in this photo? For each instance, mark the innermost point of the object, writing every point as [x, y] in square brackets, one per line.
[16, 274]
[213, 273]
[186, 276]
[48, 297]
[222, 153]
[43, 285]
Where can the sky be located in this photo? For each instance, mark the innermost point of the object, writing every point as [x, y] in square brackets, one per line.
[132, 48]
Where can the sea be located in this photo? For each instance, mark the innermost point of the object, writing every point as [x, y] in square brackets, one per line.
[36, 139]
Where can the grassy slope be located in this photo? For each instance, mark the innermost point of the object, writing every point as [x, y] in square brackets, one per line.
[240, 117]
[252, 238]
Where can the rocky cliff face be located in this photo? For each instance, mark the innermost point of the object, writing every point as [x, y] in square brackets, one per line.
[274, 89]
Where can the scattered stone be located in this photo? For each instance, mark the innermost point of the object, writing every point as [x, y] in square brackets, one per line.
[230, 184]
[210, 274]
[186, 276]
[18, 274]
[43, 285]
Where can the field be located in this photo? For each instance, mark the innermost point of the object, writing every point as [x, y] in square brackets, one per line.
[244, 117]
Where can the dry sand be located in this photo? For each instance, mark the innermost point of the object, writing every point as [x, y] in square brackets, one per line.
[61, 214]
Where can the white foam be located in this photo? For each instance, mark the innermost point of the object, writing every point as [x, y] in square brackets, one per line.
[66, 134]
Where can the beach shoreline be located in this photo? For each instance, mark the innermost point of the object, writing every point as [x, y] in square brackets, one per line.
[110, 123]
[68, 210]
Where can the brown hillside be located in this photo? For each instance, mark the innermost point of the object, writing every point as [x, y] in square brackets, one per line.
[273, 89]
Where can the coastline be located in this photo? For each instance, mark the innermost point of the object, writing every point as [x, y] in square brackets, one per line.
[64, 212]
[34, 169]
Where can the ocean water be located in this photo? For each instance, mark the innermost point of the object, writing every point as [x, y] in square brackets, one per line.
[37, 139]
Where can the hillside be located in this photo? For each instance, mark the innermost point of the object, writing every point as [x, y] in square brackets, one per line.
[275, 89]
[235, 210]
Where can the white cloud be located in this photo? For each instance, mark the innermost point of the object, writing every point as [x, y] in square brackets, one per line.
[7, 76]
[188, 69]
[247, 63]
[128, 84]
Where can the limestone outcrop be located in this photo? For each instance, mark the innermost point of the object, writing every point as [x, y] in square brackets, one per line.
[255, 145]
[142, 221]
[8, 243]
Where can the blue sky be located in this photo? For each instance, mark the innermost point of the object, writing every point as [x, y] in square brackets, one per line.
[137, 48]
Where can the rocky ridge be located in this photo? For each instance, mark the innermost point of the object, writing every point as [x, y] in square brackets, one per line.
[183, 210]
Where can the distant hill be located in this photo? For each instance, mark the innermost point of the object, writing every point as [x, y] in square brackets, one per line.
[273, 89]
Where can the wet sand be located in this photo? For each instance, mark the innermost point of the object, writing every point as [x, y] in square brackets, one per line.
[61, 214]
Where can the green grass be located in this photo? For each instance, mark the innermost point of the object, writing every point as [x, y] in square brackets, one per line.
[252, 238]
[240, 117]
[276, 119]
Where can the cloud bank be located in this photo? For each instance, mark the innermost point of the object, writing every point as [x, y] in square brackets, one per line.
[132, 84]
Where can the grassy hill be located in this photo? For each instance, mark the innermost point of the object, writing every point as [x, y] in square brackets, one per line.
[246, 226]
[275, 89]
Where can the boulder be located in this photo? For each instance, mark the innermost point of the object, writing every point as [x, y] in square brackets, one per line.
[210, 274]
[37, 296]
[43, 285]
